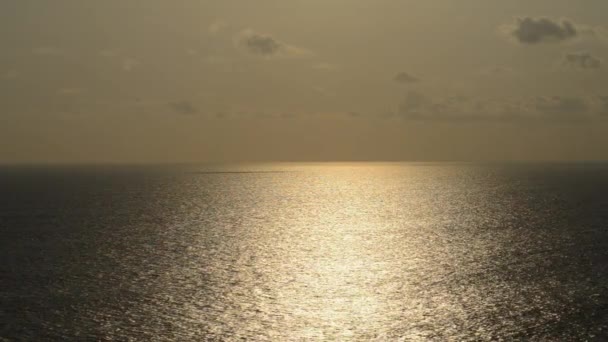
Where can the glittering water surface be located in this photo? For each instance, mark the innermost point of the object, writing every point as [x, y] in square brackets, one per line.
[305, 252]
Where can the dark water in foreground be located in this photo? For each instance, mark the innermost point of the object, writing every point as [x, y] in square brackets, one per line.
[317, 252]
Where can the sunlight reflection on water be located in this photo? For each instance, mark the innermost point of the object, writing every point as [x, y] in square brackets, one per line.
[322, 252]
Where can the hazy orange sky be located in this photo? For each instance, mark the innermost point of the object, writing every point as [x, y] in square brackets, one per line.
[312, 80]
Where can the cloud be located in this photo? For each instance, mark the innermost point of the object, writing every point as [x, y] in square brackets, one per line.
[70, 91]
[322, 90]
[11, 75]
[183, 107]
[109, 53]
[603, 105]
[128, 64]
[267, 46]
[405, 78]
[497, 70]
[216, 27]
[191, 52]
[582, 60]
[48, 51]
[417, 106]
[221, 115]
[561, 107]
[529, 30]
[325, 66]
[261, 44]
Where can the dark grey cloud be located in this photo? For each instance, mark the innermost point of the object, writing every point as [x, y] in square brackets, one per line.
[261, 44]
[529, 30]
[405, 78]
[183, 107]
[582, 60]
[265, 45]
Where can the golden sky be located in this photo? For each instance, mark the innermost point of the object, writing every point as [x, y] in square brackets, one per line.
[310, 80]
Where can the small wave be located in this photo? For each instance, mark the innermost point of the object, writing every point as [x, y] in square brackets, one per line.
[236, 172]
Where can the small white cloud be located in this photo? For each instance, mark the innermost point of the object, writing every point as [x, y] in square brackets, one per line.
[48, 51]
[70, 91]
[216, 60]
[325, 66]
[11, 75]
[129, 64]
[216, 27]
[108, 53]
[323, 91]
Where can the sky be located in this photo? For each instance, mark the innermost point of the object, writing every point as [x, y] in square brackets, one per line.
[160, 81]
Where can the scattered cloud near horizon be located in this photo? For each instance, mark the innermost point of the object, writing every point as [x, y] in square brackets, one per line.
[418, 106]
[582, 60]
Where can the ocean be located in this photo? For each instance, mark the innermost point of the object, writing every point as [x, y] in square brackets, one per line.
[288, 251]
